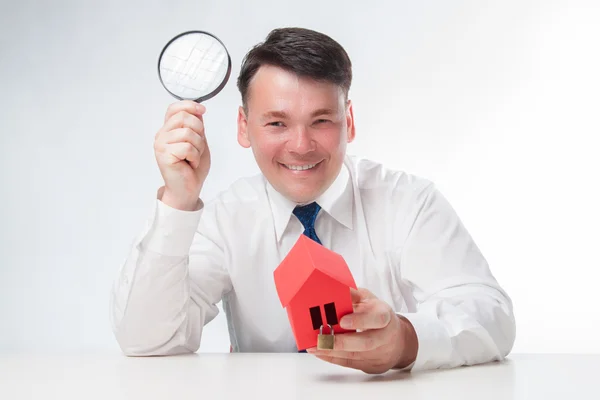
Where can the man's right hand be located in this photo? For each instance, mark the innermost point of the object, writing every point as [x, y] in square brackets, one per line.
[182, 155]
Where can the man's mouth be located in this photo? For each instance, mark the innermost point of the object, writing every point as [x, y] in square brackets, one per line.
[300, 167]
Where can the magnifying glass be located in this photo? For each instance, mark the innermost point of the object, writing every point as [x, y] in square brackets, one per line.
[194, 65]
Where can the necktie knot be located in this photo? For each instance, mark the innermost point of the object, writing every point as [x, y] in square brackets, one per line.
[307, 215]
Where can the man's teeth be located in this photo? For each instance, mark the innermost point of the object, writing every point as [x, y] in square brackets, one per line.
[300, 167]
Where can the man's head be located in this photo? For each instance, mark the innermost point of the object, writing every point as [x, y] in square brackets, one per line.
[296, 113]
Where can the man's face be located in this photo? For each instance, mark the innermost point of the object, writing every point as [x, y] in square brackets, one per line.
[298, 130]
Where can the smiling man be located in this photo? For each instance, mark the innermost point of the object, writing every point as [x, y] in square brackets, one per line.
[298, 129]
[427, 298]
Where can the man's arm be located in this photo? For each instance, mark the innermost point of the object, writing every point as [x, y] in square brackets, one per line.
[156, 308]
[463, 316]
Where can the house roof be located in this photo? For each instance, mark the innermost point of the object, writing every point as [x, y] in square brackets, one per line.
[306, 257]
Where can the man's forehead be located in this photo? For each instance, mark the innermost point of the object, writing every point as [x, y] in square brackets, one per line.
[275, 89]
[272, 77]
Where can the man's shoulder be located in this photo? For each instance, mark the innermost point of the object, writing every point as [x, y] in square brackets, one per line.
[369, 174]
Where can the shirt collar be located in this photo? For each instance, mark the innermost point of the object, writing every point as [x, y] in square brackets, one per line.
[335, 201]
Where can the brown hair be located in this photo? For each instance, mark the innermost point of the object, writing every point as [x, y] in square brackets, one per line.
[305, 52]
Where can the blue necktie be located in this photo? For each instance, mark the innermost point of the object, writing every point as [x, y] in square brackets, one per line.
[307, 215]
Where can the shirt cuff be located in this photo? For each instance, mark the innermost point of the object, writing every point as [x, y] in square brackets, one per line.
[173, 230]
[435, 346]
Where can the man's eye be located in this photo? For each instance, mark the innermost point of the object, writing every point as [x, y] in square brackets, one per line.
[321, 121]
[275, 123]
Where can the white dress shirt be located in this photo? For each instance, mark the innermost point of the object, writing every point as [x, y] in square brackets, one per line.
[400, 237]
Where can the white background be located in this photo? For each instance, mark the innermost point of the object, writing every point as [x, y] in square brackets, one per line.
[496, 101]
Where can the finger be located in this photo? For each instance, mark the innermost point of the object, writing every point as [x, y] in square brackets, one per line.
[183, 119]
[362, 307]
[346, 362]
[185, 105]
[366, 366]
[361, 294]
[376, 315]
[358, 341]
[185, 135]
[183, 151]
[354, 355]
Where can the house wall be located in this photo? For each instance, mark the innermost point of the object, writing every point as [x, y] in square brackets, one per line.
[318, 290]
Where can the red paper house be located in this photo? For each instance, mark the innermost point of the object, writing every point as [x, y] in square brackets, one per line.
[313, 284]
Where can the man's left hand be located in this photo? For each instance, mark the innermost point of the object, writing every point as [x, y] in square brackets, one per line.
[384, 340]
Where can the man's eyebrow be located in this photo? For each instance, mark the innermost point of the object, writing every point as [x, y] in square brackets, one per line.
[323, 111]
[275, 114]
[282, 115]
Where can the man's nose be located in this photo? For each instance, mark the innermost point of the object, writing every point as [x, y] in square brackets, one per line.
[301, 141]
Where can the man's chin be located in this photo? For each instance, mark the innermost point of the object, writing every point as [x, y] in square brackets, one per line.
[300, 195]
[299, 189]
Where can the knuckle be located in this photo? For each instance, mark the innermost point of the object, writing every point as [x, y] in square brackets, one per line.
[157, 145]
[188, 133]
[178, 118]
[169, 112]
[160, 133]
[188, 147]
[171, 107]
[383, 317]
[181, 117]
[381, 314]
[200, 147]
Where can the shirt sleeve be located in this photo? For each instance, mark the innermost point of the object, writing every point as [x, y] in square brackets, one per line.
[169, 285]
[461, 316]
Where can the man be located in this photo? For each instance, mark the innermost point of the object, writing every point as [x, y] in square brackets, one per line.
[427, 298]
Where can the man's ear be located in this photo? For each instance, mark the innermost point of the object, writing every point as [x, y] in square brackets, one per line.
[350, 121]
[242, 124]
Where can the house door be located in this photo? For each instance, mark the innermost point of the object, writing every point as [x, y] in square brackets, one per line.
[330, 315]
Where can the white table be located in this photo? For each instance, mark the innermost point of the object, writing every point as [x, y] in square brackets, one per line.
[288, 376]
